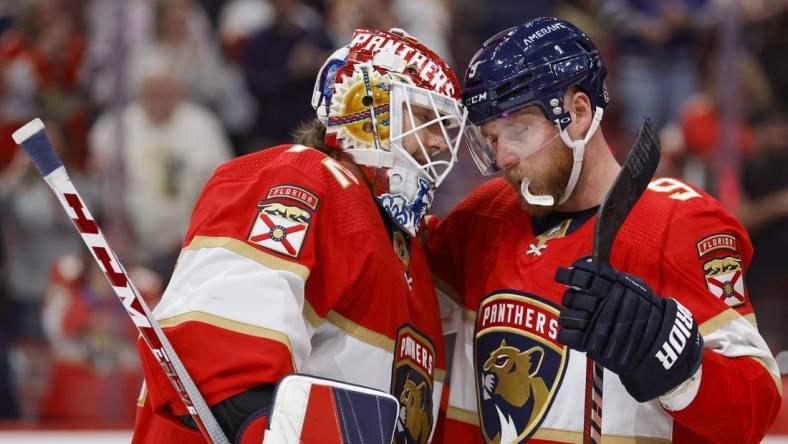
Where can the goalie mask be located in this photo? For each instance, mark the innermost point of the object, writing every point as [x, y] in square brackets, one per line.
[394, 107]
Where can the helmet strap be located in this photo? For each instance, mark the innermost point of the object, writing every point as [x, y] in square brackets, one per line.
[578, 148]
[372, 158]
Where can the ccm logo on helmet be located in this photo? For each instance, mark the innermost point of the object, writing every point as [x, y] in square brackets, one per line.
[677, 340]
[478, 98]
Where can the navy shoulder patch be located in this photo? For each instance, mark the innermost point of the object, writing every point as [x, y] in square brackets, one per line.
[519, 364]
[412, 383]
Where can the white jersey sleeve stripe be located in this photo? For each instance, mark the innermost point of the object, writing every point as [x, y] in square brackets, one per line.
[242, 294]
[733, 335]
[248, 251]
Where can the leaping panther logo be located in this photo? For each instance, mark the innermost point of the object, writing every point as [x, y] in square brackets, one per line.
[514, 377]
[519, 364]
[413, 382]
[413, 418]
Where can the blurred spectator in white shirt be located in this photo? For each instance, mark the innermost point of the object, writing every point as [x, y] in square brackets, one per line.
[171, 147]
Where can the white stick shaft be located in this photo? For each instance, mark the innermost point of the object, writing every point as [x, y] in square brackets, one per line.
[38, 147]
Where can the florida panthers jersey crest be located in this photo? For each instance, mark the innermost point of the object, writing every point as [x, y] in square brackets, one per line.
[412, 382]
[519, 365]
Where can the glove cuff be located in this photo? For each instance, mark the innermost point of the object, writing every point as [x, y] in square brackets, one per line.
[683, 395]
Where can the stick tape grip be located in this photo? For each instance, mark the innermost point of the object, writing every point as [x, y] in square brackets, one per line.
[34, 141]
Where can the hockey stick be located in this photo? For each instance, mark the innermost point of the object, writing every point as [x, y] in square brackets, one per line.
[35, 143]
[630, 183]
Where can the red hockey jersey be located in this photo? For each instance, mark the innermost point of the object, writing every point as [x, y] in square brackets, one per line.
[288, 267]
[512, 381]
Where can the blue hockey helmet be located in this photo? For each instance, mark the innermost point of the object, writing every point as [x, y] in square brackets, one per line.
[534, 64]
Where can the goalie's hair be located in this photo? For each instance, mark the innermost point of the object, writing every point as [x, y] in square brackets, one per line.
[312, 133]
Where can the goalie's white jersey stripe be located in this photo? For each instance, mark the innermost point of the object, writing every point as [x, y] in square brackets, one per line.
[333, 349]
[233, 287]
[228, 285]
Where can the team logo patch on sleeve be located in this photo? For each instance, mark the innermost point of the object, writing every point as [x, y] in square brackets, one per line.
[725, 280]
[295, 193]
[281, 228]
[518, 363]
[715, 242]
[412, 383]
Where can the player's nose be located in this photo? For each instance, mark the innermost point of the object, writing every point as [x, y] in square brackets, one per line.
[505, 156]
[435, 142]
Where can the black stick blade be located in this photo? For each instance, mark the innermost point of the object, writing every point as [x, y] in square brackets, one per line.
[632, 180]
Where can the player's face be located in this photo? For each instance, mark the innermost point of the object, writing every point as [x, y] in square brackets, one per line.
[527, 145]
[431, 136]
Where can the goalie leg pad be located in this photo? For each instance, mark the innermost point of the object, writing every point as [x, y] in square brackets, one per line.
[314, 410]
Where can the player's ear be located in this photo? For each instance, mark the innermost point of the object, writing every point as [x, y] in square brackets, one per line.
[579, 106]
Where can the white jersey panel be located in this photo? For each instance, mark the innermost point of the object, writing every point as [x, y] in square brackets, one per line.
[462, 393]
[741, 338]
[223, 283]
[337, 355]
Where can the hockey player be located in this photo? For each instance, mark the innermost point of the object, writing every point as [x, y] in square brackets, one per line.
[299, 258]
[670, 321]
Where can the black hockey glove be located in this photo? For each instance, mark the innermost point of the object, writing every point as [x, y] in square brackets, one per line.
[652, 343]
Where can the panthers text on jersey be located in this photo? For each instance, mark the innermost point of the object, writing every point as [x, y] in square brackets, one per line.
[288, 267]
[512, 381]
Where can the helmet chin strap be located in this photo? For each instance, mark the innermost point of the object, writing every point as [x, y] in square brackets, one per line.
[578, 148]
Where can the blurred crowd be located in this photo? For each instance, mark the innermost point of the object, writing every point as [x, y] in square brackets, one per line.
[144, 98]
